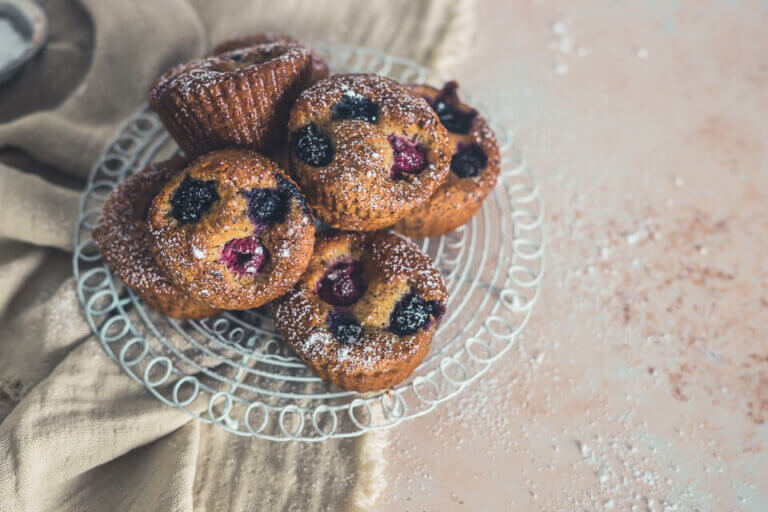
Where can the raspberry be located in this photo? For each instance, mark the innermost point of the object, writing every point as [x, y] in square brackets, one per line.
[192, 198]
[343, 284]
[312, 146]
[344, 327]
[244, 256]
[468, 161]
[355, 107]
[408, 157]
[454, 117]
[412, 313]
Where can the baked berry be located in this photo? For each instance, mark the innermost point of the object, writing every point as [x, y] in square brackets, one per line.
[408, 157]
[344, 327]
[357, 108]
[412, 313]
[235, 56]
[289, 189]
[448, 108]
[244, 256]
[468, 161]
[312, 146]
[192, 198]
[343, 284]
[267, 206]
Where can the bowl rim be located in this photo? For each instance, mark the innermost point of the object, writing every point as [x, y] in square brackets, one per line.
[29, 19]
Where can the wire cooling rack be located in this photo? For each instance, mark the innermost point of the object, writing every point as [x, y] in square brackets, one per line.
[235, 371]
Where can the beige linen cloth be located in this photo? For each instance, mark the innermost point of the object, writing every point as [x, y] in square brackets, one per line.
[75, 432]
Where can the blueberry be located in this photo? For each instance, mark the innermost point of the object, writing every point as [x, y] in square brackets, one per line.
[312, 146]
[343, 284]
[468, 161]
[235, 56]
[344, 327]
[355, 107]
[290, 190]
[244, 256]
[267, 206]
[412, 313]
[454, 117]
[455, 120]
[192, 198]
[408, 157]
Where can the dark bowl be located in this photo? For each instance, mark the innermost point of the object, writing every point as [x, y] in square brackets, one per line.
[29, 19]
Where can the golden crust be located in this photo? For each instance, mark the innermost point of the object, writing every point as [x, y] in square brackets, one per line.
[355, 191]
[458, 199]
[190, 253]
[319, 66]
[393, 267]
[237, 99]
[124, 241]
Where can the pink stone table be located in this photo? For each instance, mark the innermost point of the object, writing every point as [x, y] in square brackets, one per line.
[641, 382]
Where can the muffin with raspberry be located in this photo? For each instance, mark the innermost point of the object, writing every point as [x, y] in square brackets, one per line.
[319, 66]
[232, 230]
[473, 172]
[365, 151]
[236, 99]
[364, 313]
[123, 240]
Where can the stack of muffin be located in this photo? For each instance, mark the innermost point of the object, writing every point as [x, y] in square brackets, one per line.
[270, 142]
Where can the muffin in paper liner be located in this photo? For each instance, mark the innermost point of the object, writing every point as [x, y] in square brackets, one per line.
[365, 151]
[241, 98]
[232, 230]
[363, 315]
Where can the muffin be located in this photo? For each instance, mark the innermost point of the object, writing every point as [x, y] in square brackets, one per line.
[237, 99]
[319, 66]
[363, 314]
[474, 168]
[365, 151]
[232, 230]
[123, 240]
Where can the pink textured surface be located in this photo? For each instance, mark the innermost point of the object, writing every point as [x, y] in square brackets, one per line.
[641, 382]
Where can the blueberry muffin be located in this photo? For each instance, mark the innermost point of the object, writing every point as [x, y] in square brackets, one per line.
[363, 314]
[365, 151]
[123, 240]
[319, 66]
[237, 99]
[473, 172]
[232, 230]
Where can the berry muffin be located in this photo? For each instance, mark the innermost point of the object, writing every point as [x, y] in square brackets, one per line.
[473, 171]
[363, 314]
[232, 230]
[319, 66]
[365, 151]
[237, 99]
[123, 240]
